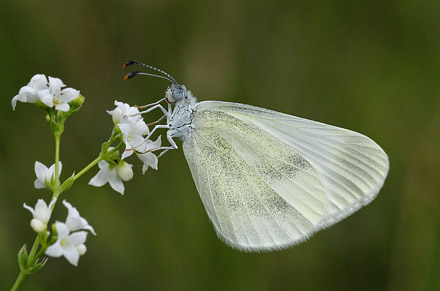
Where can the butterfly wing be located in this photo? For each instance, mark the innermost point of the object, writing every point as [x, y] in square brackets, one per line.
[269, 180]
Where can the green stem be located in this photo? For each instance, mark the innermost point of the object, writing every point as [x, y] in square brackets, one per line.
[30, 261]
[101, 157]
[57, 157]
[20, 279]
[34, 248]
[88, 167]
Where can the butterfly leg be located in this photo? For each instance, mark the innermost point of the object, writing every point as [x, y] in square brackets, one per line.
[173, 145]
[155, 128]
[165, 112]
[157, 121]
[166, 149]
[151, 104]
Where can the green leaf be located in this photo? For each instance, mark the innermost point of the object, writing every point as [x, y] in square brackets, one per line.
[23, 258]
[37, 266]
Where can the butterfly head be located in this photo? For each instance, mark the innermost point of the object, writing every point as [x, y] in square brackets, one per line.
[175, 93]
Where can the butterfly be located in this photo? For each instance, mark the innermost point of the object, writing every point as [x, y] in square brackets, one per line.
[268, 180]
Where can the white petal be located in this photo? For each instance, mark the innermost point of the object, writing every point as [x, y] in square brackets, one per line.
[156, 144]
[103, 164]
[126, 153]
[54, 250]
[55, 85]
[117, 185]
[42, 211]
[140, 128]
[149, 160]
[74, 223]
[125, 129]
[52, 202]
[77, 238]
[51, 171]
[62, 107]
[72, 210]
[40, 170]
[116, 115]
[129, 114]
[27, 90]
[67, 95]
[46, 97]
[62, 230]
[99, 179]
[88, 227]
[14, 101]
[27, 94]
[39, 82]
[39, 185]
[29, 208]
[71, 254]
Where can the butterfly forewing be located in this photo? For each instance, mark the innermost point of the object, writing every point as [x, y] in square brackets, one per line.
[352, 167]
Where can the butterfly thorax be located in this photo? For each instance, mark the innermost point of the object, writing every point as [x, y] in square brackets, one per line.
[180, 121]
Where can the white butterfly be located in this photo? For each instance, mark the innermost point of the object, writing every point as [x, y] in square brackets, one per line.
[269, 180]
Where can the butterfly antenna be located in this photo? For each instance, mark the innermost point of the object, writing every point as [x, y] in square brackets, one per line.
[132, 74]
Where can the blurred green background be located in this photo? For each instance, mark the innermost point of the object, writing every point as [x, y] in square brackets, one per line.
[370, 66]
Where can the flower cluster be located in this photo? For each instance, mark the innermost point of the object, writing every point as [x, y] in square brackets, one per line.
[130, 134]
[136, 137]
[50, 93]
[70, 237]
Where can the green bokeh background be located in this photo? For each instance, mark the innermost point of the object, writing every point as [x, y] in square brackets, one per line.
[370, 66]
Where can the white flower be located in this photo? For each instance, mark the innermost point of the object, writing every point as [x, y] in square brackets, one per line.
[54, 96]
[74, 221]
[124, 113]
[41, 214]
[109, 173]
[44, 174]
[148, 158]
[29, 93]
[133, 135]
[68, 244]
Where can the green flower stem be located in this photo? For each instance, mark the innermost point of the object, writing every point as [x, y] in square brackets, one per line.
[20, 279]
[101, 157]
[88, 167]
[31, 261]
[34, 248]
[57, 156]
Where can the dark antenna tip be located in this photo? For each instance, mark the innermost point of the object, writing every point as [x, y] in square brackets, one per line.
[128, 64]
[130, 75]
[165, 76]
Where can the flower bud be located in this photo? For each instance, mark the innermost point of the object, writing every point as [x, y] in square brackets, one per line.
[78, 101]
[125, 172]
[37, 225]
[82, 249]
